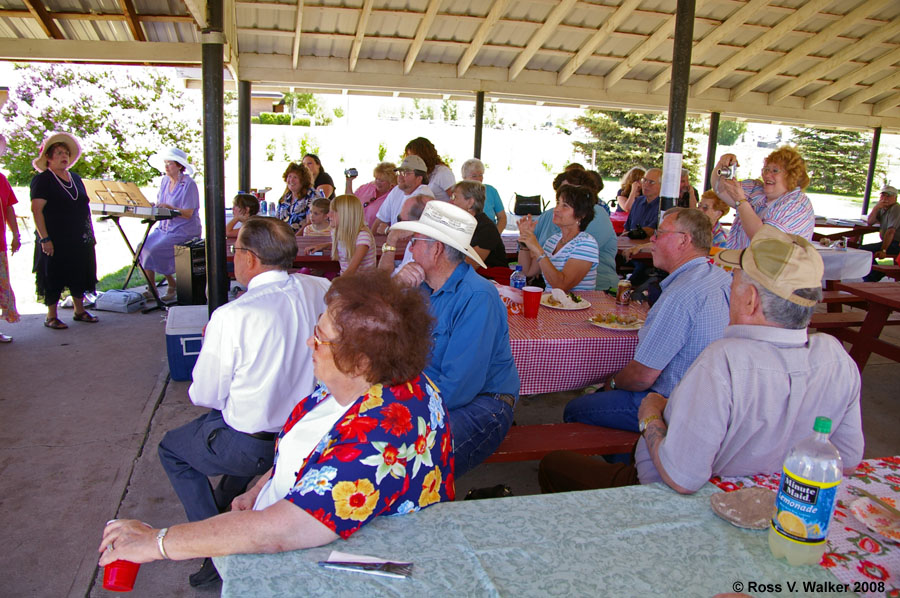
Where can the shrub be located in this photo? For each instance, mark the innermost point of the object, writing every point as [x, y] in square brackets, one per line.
[301, 121]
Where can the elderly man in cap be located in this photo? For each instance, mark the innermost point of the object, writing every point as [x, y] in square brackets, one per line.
[471, 361]
[751, 395]
[887, 214]
[412, 179]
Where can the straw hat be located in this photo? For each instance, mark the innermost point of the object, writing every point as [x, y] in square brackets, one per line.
[448, 224]
[780, 262]
[40, 163]
[173, 154]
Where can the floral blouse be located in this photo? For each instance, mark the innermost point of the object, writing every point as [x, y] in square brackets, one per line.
[390, 454]
[294, 211]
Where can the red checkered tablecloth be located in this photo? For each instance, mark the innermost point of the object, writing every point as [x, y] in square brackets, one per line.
[560, 350]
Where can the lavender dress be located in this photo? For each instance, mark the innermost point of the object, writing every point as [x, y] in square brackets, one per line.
[158, 253]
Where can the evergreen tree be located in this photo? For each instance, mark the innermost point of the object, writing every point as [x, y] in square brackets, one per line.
[729, 131]
[121, 116]
[836, 161]
[627, 139]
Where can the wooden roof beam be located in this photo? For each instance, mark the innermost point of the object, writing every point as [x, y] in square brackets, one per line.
[421, 33]
[807, 47]
[603, 33]
[709, 42]
[361, 25]
[298, 29]
[39, 12]
[497, 10]
[540, 36]
[137, 32]
[759, 44]
[197, 9]
[879, 64]
[886, 104]
[835, 61]
[878, 88]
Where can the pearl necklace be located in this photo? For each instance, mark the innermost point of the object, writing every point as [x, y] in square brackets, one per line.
[65, 188]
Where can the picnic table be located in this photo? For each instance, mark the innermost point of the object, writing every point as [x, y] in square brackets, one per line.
[882, 298]
[633, 541]
[561, 350]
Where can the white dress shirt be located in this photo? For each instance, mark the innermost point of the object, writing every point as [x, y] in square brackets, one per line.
[254, 365]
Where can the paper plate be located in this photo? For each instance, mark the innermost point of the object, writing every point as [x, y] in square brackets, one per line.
[583, 305]
[617, 326]
[750, 508]
[876, 518]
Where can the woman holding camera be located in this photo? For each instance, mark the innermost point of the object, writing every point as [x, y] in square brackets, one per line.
[777, 198]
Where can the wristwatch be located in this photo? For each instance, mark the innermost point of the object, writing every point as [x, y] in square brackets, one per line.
[646, 422]
[611, 384]
[387, 247]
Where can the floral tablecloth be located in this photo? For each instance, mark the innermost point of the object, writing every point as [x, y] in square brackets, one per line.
[855, 553]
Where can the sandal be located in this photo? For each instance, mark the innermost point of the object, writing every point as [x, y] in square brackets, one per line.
[55, 324]
[86, 316]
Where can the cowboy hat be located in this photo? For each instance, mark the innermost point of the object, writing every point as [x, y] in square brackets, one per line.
[448, 224]
[173, 154]
[40, 163]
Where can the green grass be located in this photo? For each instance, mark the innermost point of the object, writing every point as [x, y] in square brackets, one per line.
[117, 278]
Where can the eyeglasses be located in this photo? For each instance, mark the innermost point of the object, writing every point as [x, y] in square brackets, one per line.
[406, 172]
[317, 341]
[661, 231]
[649, 182]
[771, 170]
[422, 239]
[235, 249]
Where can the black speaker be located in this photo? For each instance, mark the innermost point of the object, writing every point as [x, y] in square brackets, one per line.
[190, 272]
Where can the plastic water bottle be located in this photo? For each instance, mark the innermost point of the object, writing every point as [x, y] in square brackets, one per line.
[806, 498]
[517, 279]
[263, 208]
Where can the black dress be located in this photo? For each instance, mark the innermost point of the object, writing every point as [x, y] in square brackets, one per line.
[486, 236]
[67, 217]
[323, 178]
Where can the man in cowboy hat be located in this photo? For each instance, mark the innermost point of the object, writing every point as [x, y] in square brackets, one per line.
[749, 396]
[471, 361]
[412, 179]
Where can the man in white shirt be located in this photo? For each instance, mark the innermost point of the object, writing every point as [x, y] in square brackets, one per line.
[412, 179]
[252, 370]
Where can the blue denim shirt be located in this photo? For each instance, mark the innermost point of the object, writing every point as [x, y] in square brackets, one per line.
[471, 353]
[601, 229]
[643, 214]
[691, 312]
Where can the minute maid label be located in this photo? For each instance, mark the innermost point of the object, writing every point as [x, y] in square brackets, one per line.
[803, 508]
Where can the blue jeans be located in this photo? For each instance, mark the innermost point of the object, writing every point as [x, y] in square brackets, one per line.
[478, 428]
[612, 409]
[893, 249]
[207, 447]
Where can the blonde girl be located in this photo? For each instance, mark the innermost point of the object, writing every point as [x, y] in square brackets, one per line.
[352, 243]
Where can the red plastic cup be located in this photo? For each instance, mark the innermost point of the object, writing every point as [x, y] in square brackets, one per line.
[119, 576]
[532, 300]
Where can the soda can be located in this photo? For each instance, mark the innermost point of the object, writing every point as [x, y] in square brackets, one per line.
[623, 292]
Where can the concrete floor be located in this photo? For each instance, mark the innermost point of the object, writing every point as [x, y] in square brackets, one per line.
[83, 411]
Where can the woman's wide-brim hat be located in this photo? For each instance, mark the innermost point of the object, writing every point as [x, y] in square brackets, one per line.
[448, 224]
[40, 163]
[173, 154]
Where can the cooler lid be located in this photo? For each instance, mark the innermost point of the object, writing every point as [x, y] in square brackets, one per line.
[187, 319]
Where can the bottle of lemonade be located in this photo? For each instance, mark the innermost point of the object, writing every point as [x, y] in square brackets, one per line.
[806, 498]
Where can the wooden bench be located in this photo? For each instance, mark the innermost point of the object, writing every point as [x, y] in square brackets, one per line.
[889, 271]
[835, 300]
[529, 443]
[830, 321]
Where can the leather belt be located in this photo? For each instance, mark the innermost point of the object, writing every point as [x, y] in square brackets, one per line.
[507, 398]
[264, 435]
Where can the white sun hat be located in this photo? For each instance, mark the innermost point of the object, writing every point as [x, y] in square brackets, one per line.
[446, 223]
[40, 163]
[173, 154]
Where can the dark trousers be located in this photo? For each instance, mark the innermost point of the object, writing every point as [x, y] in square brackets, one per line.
[893, 249]
[565, 471]
[207, 447]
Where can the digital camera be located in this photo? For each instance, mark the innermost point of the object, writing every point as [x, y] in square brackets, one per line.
[351, 172]
[729, 172]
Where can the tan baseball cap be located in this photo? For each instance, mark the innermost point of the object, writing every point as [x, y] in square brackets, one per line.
[780, 262]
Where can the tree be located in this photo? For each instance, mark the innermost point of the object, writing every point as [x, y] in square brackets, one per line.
[836, 161]
[730, 130]
[122, 116]
[627, 139]
[450, 110]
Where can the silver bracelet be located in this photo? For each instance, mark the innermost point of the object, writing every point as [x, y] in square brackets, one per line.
[542, 256]
[160, 537]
